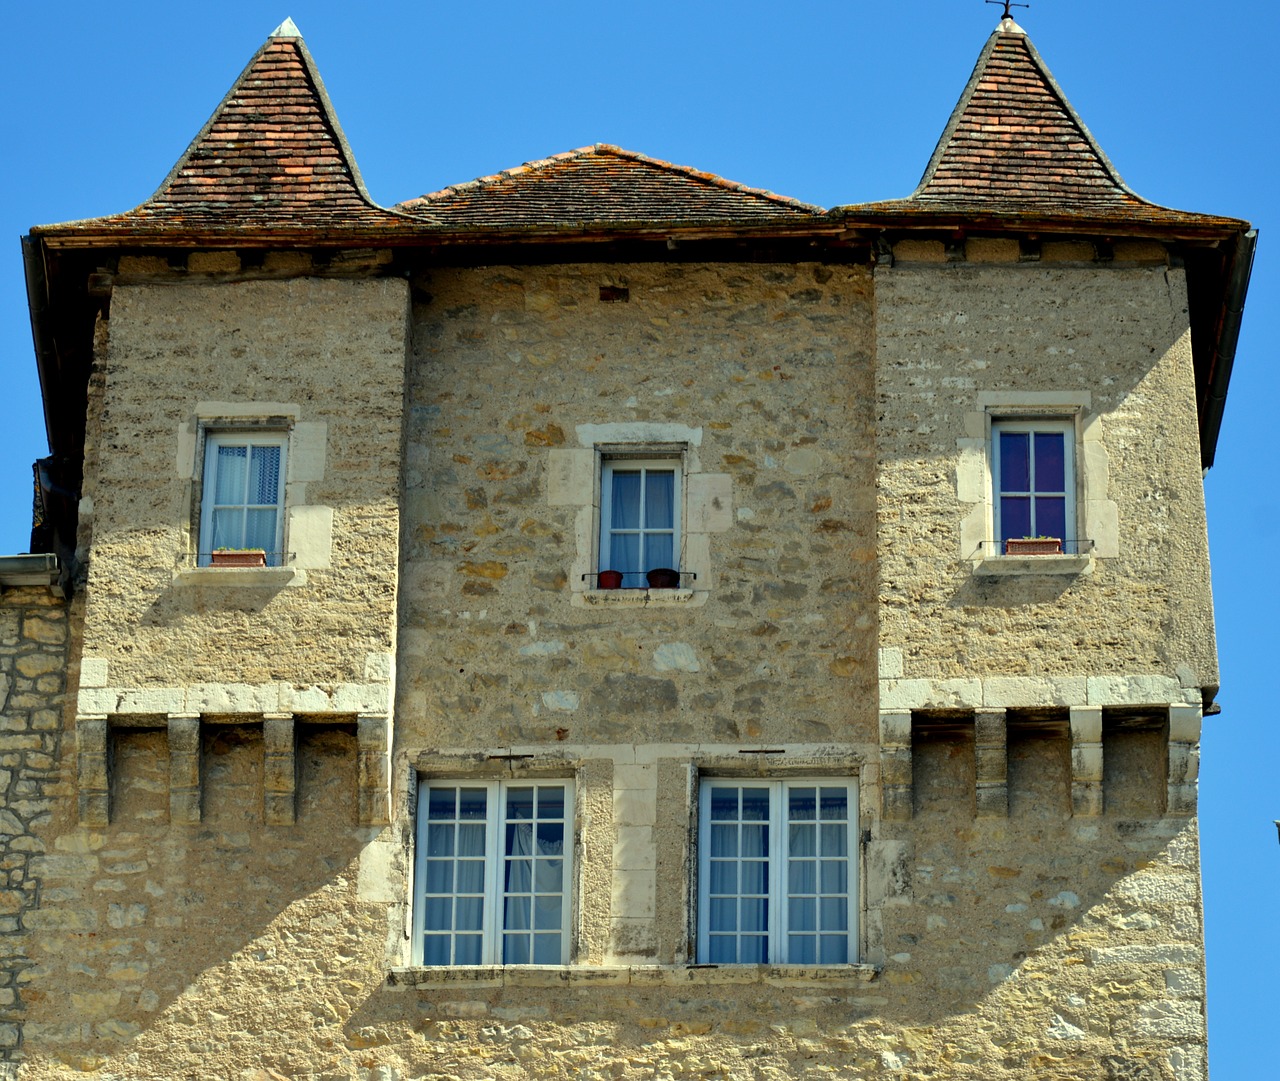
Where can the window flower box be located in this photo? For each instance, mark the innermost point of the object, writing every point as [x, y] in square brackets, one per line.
[1033, 546]
[238, 557]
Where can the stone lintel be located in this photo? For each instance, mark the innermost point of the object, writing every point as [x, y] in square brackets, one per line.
[1086, 760]
[280, 769]
[92, 772]
[373, 751]
[991, 756]
[184, 768]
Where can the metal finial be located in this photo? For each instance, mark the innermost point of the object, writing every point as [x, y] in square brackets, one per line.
[1007, 5]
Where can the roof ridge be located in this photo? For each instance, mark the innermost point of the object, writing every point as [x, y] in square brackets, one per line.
[713, 179]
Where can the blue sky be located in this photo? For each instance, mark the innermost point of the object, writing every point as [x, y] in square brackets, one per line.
[824, 101]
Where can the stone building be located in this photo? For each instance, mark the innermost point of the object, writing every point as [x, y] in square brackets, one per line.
[887, 770]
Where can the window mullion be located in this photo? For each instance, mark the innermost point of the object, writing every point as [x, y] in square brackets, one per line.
[778, 848]
[495, 865]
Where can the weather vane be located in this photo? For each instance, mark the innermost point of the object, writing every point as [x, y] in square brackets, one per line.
[1007, 5]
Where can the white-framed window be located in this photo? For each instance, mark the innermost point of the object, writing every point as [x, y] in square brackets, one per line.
[639, 517]
[777, 871]
[494, 867]
[242, 499]
[1033, 478]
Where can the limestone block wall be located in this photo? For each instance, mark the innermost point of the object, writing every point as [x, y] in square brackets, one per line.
[34, 779]
[1108, 345]
[319, 360]
[521, 378]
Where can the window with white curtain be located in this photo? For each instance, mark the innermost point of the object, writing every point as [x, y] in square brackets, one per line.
[242, 502]
[639, 517]
[494, 866]
[777, 871]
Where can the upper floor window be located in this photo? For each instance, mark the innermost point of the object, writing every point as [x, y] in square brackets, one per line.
[494, 865]
[639, 519]
[1033, 472]
[776, 874]
[242, 504]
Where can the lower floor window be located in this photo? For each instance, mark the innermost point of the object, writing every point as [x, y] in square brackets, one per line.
[494, 867]
[776, 881]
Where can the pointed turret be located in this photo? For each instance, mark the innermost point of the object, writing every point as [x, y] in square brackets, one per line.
[272, 157]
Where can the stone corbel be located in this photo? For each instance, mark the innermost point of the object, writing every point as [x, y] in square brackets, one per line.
[1086, 760]
[373, 750]
[92, 771]
[896, 783]
[1184, 758]
[280, 769]
[991, 754]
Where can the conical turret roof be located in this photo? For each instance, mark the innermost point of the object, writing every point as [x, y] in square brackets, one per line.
[271, 157]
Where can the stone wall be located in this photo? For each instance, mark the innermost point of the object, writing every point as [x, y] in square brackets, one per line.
[322, 360]
[34, 777]
[953, 338]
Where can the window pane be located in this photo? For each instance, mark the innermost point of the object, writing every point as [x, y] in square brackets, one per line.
[546, 949]
[755, 876]
[259, 530]
[835, 840]
[466, 950]
[440, 840]
[228, 529]
[624, 507]
[724, 877]
[802, 914]
[659, 501]
[1015, 517]
[803, 840]
[724, 914]
[753, 913]
[550, 838]
[835, 876]
[471, 876]
[624, 556]
[468, 913]
[551, 801]
[440, 876]
[519, 803]
[802, 949]
[724, 804]
[435, 950]
[835, 913]
[835, 950]
[659, 551]
[547, 913]
[264, 475]
[519, 838]
[473, 803]
[441, 802]
[724, 841]
[755, 805]
[755, 841]
[519, 876]
[802, 877]
[722, 950]
[471, 840]
[753, 949]
[229, 486]
[835, 804]
[518, 913]
[802, 803]
[549, 876]
[1015, 462]
[439, 914]
[1051, 517]
[1051, 463]
[515, 949]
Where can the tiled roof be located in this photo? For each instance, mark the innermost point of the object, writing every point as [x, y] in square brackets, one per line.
[602, 184]
[272, 155]
[1015, 150]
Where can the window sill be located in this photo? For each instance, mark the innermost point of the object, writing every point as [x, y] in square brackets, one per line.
[490, 976]
[640, 598]
[999, 566]
[254, 577]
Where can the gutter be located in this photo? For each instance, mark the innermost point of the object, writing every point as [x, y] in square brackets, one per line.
[1228, 340]
[35, 569]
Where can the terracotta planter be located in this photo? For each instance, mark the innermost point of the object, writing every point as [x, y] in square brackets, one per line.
[609, 580]
[246, 557]
[663, 578]
[1033, 546]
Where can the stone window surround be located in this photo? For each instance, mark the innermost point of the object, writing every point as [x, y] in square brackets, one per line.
[875, 862]
[308, 528]
[573, 479]
[1096, 515]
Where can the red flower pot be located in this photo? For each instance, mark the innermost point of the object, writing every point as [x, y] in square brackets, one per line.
[663, 578]
[609, 580]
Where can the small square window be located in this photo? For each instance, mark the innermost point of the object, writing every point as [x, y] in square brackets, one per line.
[1034, 481]
[639, 521]
[242, 501]
[494, 867]
[777, 872]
